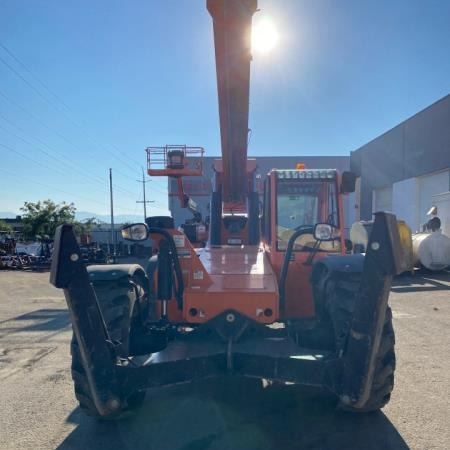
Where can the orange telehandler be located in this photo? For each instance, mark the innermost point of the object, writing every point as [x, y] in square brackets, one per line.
[273, 294]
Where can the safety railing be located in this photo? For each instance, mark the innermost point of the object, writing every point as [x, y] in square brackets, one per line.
[175, 161]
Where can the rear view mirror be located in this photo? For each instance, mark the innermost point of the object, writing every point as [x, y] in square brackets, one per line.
[135, 232]
[348, 182]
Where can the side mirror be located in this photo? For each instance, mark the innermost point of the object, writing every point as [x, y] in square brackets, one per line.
[135, 232]
[323, 232]
[348, 182]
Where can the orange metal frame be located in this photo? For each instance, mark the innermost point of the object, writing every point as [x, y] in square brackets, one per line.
[216, 279]
[245, 278]
[299, 295]
[232, 208]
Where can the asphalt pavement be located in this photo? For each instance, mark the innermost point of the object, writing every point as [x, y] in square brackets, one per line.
[39, 411]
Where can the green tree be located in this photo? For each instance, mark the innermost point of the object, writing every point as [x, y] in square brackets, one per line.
[44, 216]
[85, 226]
[5, 227]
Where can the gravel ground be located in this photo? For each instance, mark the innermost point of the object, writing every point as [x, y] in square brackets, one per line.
[39, 410]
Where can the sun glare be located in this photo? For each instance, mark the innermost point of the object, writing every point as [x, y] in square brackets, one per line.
[264, 36]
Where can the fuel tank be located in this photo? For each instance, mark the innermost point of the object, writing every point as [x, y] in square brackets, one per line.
[431, 250]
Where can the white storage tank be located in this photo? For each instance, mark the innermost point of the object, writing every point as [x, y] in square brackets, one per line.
[359, 235]
[442, 203]
[431, 250]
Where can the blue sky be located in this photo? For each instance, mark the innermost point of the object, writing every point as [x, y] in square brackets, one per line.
[128, 74]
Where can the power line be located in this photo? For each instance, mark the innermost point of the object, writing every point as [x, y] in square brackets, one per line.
[21, 63]
[70, 166]
[57, 108]
[17, 152]
[38, 92]
[37, 119]
[143, 191]
[17, 127]
[136, 204]
[53, 188]
[50, 129]
[23, 79]
[61, 136]
[50, 156]
[113, 233]
[53, 169]
[30, 180]
[46, 167]
[44, 85]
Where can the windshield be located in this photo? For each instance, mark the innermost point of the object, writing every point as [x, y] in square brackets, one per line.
[300, 203]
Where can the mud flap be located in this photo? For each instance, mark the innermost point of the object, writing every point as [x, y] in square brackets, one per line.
[69, 273]
[383, 260]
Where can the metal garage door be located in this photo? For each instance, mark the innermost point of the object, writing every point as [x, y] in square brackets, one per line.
[382, 199]
[430, 185]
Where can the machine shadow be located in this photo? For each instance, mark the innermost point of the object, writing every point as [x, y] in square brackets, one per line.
[213, 415]
[421, 282]
[40, 320]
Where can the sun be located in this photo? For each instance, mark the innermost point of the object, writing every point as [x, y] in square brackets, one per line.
[264, 36]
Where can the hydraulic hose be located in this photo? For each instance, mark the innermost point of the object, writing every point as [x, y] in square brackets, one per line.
[179, 286]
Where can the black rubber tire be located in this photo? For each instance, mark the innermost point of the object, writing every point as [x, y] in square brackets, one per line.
[83, 391]
[338, 297]
[114, 311]
[383, 380]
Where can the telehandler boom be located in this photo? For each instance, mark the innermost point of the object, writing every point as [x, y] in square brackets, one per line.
[273, 294]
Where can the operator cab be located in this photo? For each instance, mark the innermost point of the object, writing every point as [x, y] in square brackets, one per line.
[305, 198]
[300, 199]
[297, 204]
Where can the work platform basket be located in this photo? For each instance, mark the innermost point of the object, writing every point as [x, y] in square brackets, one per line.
[175, 161]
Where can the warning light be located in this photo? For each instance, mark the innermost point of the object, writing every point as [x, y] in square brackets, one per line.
[300, 166]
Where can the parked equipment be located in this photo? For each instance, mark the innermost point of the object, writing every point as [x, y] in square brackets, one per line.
[360, 235]
[15, 255]
[271, 297]
[176, 162]
[442, 204]
[431, 250]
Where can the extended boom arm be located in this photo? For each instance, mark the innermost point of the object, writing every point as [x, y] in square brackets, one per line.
[232, 31]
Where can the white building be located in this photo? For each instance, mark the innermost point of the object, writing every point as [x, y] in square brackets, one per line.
[407, 169]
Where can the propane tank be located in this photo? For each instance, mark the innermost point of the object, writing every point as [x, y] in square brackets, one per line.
[406, 243]
[359, 235]
[431, 250]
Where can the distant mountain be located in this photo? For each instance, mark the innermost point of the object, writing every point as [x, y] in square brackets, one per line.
[120, 218]
[7, 215]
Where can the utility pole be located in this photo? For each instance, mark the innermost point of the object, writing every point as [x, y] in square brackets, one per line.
[113, 232]
[143, 190]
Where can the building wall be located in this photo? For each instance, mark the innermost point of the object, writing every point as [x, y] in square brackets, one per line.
[200, 188]
[412, 198]
[398, 159]
[16, 224]
[405, 201]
